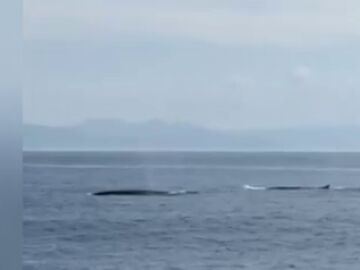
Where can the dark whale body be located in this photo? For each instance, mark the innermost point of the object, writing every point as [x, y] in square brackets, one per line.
[299, 188]
[141, 192]
[296, 187]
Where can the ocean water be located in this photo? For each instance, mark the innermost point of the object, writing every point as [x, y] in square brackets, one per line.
[224, 226]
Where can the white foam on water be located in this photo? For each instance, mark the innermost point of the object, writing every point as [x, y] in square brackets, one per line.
[254, 187]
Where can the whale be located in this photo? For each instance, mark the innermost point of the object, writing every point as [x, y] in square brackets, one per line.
[325, 187]
[297, 187]
[141, 192]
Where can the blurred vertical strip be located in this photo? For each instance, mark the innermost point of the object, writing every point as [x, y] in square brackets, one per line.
[10, 134]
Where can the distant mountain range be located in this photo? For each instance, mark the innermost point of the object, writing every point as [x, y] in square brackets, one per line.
[110, 134]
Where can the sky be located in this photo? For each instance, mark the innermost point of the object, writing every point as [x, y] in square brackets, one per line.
[226, 64]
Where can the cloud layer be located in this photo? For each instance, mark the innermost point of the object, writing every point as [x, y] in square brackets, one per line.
[311, 23]
[255, 63]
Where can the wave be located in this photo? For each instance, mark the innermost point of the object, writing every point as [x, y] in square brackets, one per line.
[345, 188]
[249, 187]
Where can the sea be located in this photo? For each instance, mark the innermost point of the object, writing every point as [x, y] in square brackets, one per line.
[222, 226]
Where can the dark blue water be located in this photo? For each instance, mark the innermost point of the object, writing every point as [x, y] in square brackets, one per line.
[222, 227]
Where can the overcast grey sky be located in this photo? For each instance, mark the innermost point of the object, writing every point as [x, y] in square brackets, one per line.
[228, 64]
